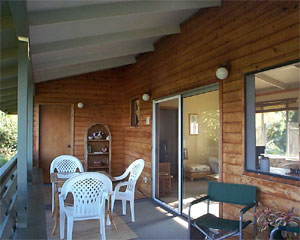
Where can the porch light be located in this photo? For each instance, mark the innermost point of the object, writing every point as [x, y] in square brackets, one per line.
[222, 73]
[146, 97]
[80, 105]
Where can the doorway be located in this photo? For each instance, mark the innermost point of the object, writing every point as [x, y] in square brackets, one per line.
[55, 134]
[167, 152]
[201, 120]
[186, 148]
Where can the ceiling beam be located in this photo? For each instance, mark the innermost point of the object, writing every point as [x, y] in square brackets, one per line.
[7, 22]
[9, 72]
[9, 53]
[41, 76]
[9, 110]
[8, 98]
[19, 13]
[84, 56]
[104, 39]
[271, 81]
[84, 13]
[81, 29]
[8, 103]
[10, 83]
[8, 92]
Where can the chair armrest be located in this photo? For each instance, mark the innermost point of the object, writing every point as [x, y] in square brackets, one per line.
[121, 184]
[124, 175]
[245, 209]
[61, 198]
[193, 203]
[199, 200]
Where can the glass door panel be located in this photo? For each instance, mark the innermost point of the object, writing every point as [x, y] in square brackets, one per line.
[200, 148]
[167, 152]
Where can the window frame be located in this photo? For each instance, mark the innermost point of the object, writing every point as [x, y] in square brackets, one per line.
[249, 126]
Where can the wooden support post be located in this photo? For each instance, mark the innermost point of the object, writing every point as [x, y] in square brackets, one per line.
[30, 123]
[22, 133]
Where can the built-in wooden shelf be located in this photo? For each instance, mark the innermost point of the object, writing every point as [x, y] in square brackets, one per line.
[92, 154]
[103, 167]
[96, 145]
[98, 140]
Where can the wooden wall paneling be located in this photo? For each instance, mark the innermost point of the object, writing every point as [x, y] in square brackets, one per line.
[250, 35]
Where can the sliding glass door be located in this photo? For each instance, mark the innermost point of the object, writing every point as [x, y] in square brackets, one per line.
[167, 152]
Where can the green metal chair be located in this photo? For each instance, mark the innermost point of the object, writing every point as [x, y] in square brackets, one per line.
[213, 227]
[295, 230]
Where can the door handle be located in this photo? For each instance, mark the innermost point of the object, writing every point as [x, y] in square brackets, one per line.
[69, 146]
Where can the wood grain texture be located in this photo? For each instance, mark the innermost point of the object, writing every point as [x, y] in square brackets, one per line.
[250, 35]
[101, 95]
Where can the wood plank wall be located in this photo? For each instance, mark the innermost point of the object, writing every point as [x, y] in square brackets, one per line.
[101, 97]
[250, 35]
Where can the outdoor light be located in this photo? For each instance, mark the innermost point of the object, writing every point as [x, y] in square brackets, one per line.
[222, 73]
[80, 105]
[146, 97]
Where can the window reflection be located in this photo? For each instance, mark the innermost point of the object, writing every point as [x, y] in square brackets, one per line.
[276, 120]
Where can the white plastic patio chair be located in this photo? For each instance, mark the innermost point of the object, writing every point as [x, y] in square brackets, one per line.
[134, 171]
[64, 164]
[89, 190]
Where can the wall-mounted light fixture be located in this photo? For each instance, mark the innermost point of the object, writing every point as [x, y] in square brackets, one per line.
[80, 105]
[222, 73]
[146, 97]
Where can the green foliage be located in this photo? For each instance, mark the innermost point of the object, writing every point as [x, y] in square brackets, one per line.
[8, 137]
[277, 134]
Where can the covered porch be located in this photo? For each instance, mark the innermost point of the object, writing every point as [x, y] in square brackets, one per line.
[66, 66]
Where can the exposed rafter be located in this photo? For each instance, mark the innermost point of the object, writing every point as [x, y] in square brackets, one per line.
[9, 83]
[20, 16]
[9, 53]
[8, 92]
[83, 13]
[271, 81]
[105, 39]
[8, 98]
[73, 37]
[8, 104]
[86, 55]
[77, 69]
[9, 72]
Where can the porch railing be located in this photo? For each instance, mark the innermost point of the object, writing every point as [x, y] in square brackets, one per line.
[8, 213]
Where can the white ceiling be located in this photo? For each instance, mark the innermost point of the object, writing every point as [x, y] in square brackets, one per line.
[73, 37]
[282, 78]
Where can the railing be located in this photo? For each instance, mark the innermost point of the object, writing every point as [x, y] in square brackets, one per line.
[8, 213]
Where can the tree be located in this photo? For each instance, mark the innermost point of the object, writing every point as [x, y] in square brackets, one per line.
[8, 137]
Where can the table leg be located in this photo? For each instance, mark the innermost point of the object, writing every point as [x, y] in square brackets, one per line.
[56, 212]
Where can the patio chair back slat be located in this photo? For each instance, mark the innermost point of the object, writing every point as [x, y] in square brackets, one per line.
[232, 193]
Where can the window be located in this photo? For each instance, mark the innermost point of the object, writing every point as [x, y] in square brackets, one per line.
[135, 112]
[272, 121]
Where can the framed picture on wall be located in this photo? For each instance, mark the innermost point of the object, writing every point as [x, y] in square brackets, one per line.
[135, 112]
[194, 123]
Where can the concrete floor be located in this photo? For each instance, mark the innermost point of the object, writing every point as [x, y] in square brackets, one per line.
[152, 221]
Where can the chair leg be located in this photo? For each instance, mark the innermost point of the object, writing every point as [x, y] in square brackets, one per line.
[62, 225]
[52, 196]
[102, 228]
[70, 228]
[124, 207]
[132, 209]
[112, 203]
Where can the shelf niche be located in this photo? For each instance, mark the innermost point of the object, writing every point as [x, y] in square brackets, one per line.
[95, 159]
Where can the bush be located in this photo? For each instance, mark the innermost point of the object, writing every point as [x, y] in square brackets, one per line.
[8, 137]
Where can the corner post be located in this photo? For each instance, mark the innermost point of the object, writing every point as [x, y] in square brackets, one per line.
[30, 123]
[22, 133]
